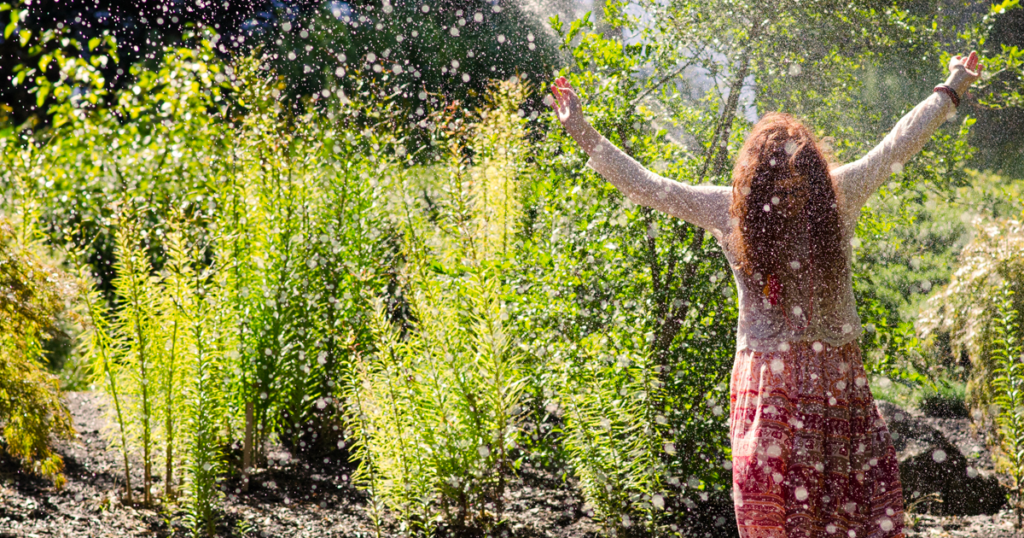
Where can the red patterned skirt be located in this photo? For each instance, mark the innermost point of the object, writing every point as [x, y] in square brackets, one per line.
[812, 457]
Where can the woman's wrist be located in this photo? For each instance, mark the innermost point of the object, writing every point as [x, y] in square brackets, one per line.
[959, 80]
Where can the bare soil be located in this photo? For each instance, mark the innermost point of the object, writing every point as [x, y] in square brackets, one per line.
[313, 500]
[288, 498]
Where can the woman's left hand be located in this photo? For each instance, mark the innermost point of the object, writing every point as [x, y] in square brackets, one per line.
[964, 71]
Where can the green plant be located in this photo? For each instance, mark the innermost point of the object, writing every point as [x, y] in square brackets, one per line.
[1008, 384]
[434, 409]
[610, 415]
[965, 311]
[140, 339]
[34, 294]
[100, 350]
[206, 339]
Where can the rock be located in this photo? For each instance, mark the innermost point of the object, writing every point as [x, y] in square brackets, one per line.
[931, 464]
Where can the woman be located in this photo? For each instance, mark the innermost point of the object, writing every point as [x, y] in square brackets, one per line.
[812, 456]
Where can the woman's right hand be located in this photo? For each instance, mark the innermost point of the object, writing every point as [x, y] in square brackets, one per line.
[568, 107]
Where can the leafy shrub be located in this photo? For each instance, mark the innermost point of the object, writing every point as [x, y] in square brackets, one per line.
[34, 295]
[965, 311]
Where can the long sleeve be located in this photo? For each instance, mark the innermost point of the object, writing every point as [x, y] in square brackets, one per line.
[703, 205]
[856, 181]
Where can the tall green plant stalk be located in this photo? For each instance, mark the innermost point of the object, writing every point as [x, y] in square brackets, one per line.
[100, 350]
[1008, 355]
[204, 411]
[137, 288]
[175, 296]
[366, 475]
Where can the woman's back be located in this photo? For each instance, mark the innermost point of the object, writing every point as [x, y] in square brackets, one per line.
[800, 313]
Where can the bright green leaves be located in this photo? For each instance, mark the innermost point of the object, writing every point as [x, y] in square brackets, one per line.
[1004, 6]
[1008, 388]
[33, 298]
[437, 409]
[12, 22]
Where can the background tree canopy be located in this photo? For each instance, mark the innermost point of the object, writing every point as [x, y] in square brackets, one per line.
[450, 48]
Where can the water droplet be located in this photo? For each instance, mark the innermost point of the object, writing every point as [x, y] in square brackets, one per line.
[790, 146]
[885, 524]
[484, 451]
[800, 493]
[774, 451]
[939, 456]
[797, 311]
[775, 200]
[795, 265]
[896, 167]
[777, 366]
[817, 347]
[972, 472]
[794, 69]
[501, 37]
[425, 8]
[658, 501]
[767, 208]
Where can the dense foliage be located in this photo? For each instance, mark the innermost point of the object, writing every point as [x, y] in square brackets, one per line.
[34, 295]
[444, 295]
[449, 48]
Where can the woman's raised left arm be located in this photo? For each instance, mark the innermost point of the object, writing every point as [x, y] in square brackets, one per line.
[856, 181]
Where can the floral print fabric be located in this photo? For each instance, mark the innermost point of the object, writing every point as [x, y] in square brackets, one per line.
[812, 456]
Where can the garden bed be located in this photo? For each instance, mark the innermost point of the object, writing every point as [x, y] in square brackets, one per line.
[293, 498]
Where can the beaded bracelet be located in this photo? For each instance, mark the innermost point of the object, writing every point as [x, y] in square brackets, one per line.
[946, 89]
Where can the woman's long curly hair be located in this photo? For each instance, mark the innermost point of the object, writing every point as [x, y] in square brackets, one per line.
[781, 158]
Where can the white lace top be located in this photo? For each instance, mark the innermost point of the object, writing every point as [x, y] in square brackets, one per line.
[807, 317]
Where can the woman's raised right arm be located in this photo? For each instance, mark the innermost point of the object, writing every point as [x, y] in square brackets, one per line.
[703, 205]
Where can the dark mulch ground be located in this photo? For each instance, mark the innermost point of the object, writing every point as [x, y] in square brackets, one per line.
[289, 498]
[313, 500]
